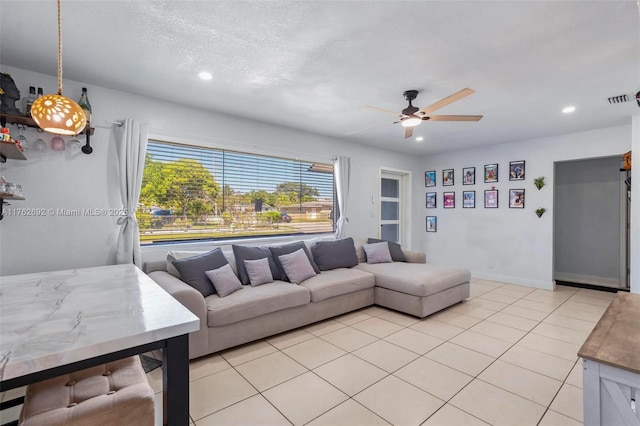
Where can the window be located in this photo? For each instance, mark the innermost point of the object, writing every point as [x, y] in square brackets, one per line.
[195, 193]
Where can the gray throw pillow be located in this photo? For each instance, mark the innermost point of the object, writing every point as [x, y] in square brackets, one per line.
[224, 280]
[394, 248]
[243, 253]
[192, 270]
[258, 271]
[297, 266]
[278, 251]
[378, 252]
[335, 254]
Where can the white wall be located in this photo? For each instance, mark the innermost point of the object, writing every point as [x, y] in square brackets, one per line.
[519, 244]
[55, 180]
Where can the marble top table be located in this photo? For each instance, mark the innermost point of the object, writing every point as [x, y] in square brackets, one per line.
[52, 323]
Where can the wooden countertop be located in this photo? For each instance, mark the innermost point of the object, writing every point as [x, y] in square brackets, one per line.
[615, 340]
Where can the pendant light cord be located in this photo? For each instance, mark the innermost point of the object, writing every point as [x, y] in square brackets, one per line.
[59, 47]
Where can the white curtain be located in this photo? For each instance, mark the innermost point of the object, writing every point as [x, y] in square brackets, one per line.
[342, 170]
[131, 147]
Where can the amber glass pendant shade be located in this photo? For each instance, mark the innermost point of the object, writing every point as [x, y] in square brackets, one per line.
[58, 114]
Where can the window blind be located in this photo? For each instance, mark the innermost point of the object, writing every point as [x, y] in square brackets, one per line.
[192, 193]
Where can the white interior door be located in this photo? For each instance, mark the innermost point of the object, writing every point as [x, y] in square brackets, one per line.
[391, 207]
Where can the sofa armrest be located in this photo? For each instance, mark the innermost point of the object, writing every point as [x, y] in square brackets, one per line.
[191, 299]
[415, 256]
[156, 265]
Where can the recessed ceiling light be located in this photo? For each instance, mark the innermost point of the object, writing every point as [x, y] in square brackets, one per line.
[205, 75]
[569, 109]
[419, 139]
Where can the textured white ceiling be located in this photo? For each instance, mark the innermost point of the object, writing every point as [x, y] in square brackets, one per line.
[313, 65]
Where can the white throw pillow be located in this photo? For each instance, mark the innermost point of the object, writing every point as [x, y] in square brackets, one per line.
[297, 266]
[378, 252]
[224, 280]
[259, 271]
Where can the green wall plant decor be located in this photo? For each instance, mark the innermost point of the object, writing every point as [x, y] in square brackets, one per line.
[540, 211]
[539, 182]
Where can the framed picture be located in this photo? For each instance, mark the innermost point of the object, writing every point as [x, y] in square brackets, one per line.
[491, 199]
[516, 170]
[447, 177]
[468, 199]
[449, 200]
[469, 176]
[516, 198]
[432, 223]
[430, 178]
[490, 173]
[432, 202]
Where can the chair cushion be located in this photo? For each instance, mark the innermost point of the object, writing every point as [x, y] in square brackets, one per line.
[115, 393]
[417, 279]
[251, 302]
[338, 282]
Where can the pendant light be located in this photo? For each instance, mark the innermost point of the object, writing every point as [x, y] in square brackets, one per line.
[57, 113]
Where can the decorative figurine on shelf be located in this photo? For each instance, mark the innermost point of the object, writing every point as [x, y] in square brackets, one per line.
[9, 94]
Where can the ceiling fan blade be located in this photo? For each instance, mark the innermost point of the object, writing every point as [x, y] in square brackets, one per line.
[446, 101]
[367, 128]
[384, 111]
[453, 118]
[408, 132]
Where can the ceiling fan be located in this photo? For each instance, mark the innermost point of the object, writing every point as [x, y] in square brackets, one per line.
[411, 116]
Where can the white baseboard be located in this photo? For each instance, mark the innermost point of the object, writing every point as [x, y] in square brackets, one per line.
[545, 285]
[588, 279]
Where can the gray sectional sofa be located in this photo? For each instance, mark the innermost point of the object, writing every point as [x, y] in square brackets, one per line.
[252, 313]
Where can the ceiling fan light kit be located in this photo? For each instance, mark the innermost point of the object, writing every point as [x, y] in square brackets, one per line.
[411, 122]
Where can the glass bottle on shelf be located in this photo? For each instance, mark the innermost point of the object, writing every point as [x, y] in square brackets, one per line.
[40, 92]
[28, 100]
[85, 105]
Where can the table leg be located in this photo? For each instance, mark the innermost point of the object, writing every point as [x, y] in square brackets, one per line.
[175, 383]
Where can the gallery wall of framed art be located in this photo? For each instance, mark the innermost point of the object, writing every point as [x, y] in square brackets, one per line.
[488, 184]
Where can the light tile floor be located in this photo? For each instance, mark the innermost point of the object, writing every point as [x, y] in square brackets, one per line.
[507, 356]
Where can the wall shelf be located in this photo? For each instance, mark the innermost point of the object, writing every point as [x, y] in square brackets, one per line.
[10, 150]
[4, 197]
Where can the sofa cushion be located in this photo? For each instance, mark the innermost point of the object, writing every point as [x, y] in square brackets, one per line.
[378, 252]
[259, 271]
[251, 302]
[394, 248]
[297, 266]
[174, 255]
[335, 254]
[417, 279]
[338, 282]
[277, 251]
[243, 253]
[192, 270]
[224, 280]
